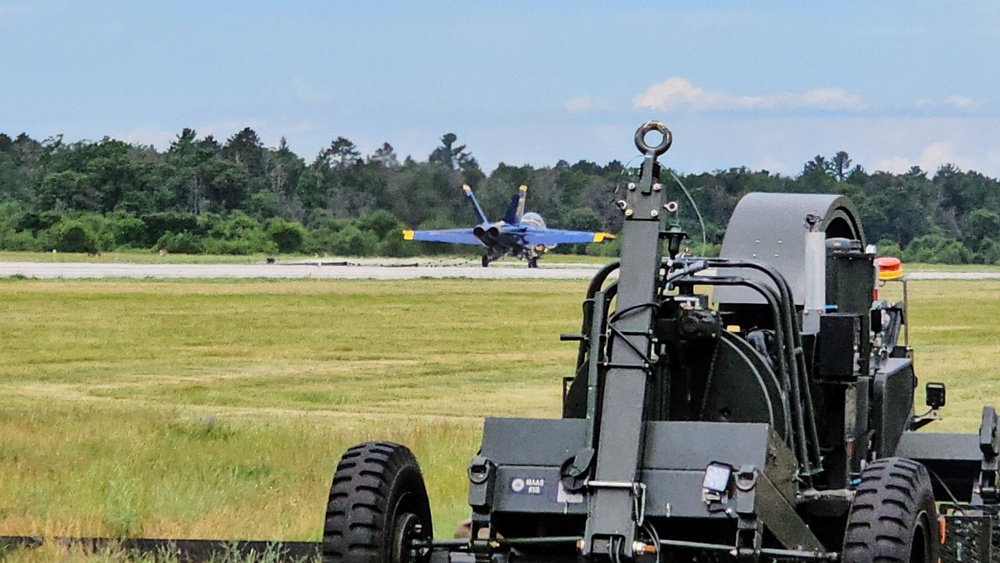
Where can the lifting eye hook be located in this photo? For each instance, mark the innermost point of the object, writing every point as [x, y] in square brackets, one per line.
[645, 128]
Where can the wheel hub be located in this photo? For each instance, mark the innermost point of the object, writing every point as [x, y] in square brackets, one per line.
[407, 529]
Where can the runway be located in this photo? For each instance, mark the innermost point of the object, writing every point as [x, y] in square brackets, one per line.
[342, 270]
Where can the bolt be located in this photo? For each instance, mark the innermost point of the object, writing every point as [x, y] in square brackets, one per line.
[631, 186]
[640, 548]
[654, 213]
[657, 186]
[628, 212]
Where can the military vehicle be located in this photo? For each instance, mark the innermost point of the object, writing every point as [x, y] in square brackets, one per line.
[758, 406]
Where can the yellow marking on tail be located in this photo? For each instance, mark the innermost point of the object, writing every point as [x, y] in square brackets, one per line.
[407, 235]
[599, 237]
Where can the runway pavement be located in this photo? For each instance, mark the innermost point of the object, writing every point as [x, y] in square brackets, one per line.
[365, 270]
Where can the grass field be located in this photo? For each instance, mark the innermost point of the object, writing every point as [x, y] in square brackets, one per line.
[149, 257]
[218, 410]
[137, 257]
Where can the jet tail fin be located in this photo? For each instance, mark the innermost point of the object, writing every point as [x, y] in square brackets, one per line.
[516, 208]
[480, 216]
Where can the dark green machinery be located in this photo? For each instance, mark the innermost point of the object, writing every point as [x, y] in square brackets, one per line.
[752, 407]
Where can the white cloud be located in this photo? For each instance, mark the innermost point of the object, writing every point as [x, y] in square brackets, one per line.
[938, 154]
[894, 164]
[583, 103]
[676, 92]
[960, 102]
[932, 157]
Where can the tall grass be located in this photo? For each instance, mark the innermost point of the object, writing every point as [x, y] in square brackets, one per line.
[219, 410]
[955, 333]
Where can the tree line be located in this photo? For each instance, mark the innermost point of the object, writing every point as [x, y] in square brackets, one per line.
[200, 195]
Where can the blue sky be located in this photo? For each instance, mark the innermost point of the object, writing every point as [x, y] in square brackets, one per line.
[762, 84]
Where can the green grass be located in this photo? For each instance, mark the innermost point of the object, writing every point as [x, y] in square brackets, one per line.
[136, 257]
[218, 410]
[150, 257]
[191, 409]
[921, 267]
[955, 333]
[116, 552]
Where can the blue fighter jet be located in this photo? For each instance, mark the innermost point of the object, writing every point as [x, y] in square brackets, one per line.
[520, 234]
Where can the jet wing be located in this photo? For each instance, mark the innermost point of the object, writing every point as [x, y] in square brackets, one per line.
[455, 236]
[551, 237]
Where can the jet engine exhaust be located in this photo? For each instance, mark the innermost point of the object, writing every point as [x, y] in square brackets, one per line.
[489, 235]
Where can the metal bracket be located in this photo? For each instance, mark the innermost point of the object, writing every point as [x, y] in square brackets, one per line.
[639, 503]
[989, 445]
[482, 476]
[749, 539]
[638, 496]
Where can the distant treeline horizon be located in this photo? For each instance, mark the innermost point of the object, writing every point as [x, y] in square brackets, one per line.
[237, 196]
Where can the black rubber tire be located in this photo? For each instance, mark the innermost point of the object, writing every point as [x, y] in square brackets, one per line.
[892, 517]
[486, 261]
[532, 262]
[376, 497]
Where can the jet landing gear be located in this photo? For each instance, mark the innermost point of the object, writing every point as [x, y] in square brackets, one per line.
[533, 255]
[491, 256]
[532, 260]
